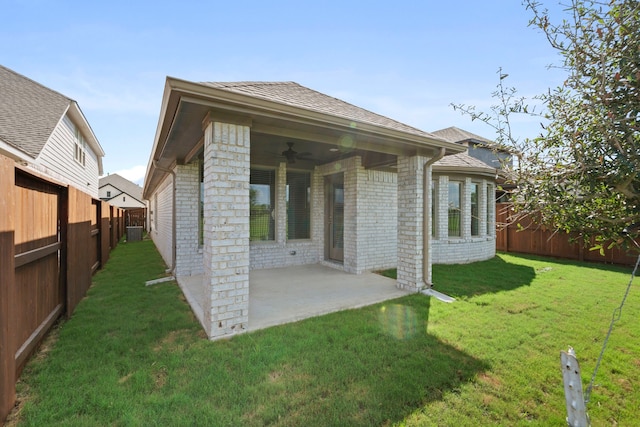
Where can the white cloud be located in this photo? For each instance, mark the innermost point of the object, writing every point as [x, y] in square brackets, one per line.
[134, 174]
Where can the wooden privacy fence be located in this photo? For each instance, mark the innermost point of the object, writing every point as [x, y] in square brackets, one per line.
[136, 217]
[52, 239]
[537, 240]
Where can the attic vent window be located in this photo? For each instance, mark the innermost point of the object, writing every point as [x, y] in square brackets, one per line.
[108, 193]
[80, 149]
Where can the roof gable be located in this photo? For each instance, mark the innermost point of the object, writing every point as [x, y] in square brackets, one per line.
[122, 184]
[296, 95]
[454, 134]
[29, 111]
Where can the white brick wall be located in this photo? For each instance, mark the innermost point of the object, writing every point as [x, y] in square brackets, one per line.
[189, 261]
[378, 216]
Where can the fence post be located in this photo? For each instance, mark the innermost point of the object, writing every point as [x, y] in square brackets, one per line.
[576, 408]
[78, 247]
[7, 284]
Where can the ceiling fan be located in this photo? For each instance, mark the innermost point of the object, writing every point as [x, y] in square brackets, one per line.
[291, 155]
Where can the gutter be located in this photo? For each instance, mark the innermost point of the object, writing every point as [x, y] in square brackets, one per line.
[172, 269]
[426, 233]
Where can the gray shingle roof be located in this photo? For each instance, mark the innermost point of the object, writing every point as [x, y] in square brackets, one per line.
[454, 134]
[122, 184]
[296, 95]
[462, 160]
[29, 111]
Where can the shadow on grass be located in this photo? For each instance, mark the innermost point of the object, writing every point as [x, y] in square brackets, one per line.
[483, 277]
[372, 366]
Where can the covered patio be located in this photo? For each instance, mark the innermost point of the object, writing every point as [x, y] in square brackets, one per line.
[246, 177]
[284, 295]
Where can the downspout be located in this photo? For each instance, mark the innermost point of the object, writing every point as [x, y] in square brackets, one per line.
[172, 269]
[426, 231]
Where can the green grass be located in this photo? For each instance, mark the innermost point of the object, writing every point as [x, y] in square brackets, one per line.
[134, 355]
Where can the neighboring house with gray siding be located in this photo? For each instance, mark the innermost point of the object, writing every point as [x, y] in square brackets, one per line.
[47, 132]
[120, 192]
[252, 175]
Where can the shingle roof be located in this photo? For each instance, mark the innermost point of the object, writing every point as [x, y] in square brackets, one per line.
[29, 111]
[122, 184]
[462, 160]
[454, 134]
[296, 95]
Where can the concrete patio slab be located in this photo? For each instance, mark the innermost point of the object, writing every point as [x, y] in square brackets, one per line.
[283, 295]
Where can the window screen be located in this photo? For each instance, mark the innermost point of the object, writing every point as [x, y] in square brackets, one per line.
[298, 205]
[455, 192]
[262, 204]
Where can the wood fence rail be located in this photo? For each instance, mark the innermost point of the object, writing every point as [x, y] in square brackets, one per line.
[53, 237]
[537, 240]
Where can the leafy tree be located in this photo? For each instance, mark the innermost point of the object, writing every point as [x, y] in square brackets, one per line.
[581, 173]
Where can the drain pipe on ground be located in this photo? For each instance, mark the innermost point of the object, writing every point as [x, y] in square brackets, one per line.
[428, 289]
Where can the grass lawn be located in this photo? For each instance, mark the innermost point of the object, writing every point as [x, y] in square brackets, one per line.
[135, 355]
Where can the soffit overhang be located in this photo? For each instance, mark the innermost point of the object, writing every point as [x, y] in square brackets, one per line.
[179, 135]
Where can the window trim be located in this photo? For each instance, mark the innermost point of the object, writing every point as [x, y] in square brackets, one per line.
[80, 149]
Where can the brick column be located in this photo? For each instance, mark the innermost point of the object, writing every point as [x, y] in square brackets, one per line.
[410, 212]
[482, 207]
[353, 228]
[443, 207]
[281, 204]
[226, 228]
[465, 209]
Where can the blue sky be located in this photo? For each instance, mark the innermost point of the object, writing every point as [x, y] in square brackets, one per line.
[408, 60]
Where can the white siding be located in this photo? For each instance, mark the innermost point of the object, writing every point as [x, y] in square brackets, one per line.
[162, 219]
[125, 200]
[108, 189]
[57, 159]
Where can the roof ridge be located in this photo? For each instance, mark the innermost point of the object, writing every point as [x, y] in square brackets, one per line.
[380, 121]
[37, 83]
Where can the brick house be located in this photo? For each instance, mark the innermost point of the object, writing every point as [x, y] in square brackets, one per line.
[253, 175]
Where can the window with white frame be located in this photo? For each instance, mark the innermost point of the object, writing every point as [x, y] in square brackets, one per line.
[80, 145]
[454, 211]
